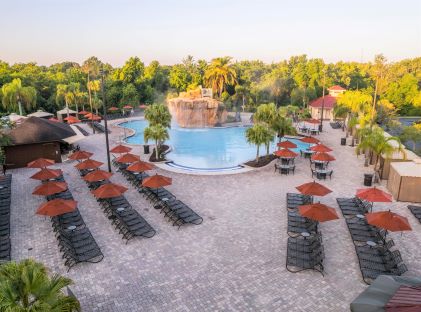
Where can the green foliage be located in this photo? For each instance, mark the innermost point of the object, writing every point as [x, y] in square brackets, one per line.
[27, 287]
[14, 94]
[412, 135]
[158, 114]
[220, 74]
[158, 133]
[258, 135]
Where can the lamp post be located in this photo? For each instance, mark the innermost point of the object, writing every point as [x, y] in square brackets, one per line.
[107, 144]
[323, 102]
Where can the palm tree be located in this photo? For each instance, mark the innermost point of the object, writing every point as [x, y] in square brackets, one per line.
[158, 114]
[265, 113]
[80, 98]
[26, 286]
[93, 86]
[65, 92]
[91, 67]
[156, 132]
[259, 134]
[219, 74]
[14, 95]
[282, 126]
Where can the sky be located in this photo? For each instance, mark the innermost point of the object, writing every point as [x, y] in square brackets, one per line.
[51, 31]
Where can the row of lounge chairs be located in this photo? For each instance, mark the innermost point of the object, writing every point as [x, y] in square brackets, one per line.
[126, 220]
[336, 125]
[97, 126]
[304, 248]
[74, 238]
[174, 210]
[416, 211]
[5, 200]
[371, 245]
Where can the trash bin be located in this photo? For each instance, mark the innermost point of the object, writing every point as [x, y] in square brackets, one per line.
[320, 128]
[146, 149]
[368, 179]
[343, 141]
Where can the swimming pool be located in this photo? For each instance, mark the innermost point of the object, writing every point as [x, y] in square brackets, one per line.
[206, 148]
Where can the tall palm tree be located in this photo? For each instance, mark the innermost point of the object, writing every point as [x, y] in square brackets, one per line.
[14, 95]
[94, 86]
[65, 92]
[219, 74]
[158, 114]
[265, 113]
[158, 133]
[80, 98]
[26, 286]
[282, 126]
[258, 135]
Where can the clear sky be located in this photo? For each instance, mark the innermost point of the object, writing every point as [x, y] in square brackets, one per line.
[50, 31]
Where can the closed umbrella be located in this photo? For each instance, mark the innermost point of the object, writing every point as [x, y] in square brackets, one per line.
[320, 148]
[89, 164]
[50, 188]
[109, 190]
[127, 158]
[40, 163]
[97, 175]
[285, 153]
[120, 149]
[310, 140]
[388, 220]
[140, 166]
[79, 155]
[56, 207]
[318, 212]
[47, 174]
[287, 144]
[313, 189]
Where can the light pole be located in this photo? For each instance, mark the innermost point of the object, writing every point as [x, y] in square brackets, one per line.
[107, 144]
[323, 102]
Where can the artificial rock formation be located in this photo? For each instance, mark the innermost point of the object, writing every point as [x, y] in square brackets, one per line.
[197, 112]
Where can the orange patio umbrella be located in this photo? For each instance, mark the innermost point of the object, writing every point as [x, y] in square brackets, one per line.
[56, 207]
[83, 112]
[89, 164]
[156, 181]
[127, 107]
[374, 194]
[53, 119]
[127, 158]
[312, 121]
[285, 153]
[40, 163]
[94, 117]
[142, 106]
[140, 166]
[388, 220]
[320, 148]
[46, 174]
[313, 188]
[322, 157]
[310, 140]
[119, 149]
[79, 155]
[318, 212]
[97, 175]
[72, 119]
[113, 109]
[50, 188]
[286, 144]
[109, 190]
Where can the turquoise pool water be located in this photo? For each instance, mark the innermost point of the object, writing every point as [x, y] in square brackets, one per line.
[207, 148]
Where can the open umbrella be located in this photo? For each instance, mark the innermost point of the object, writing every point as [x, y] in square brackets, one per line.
[97, 175]
[109, 190]
[322, 157]
[285, 153]
[310, 140]
[47, 174]
[94, 118]
[89, 164]
[320, 148]
[50, 188]
[40, 163]
[142, 106]
[127, 158]
[318, 212]
[72, 119]
[56, 207]
[156, 181]
[312, 121]
[388, 220]
[286, 144]
[113, 109]
[374, 194]
[119, 149]
[83, 112]
[79, 155]
[53, 119]
[140, 166]
[127, 107]
[313, 188]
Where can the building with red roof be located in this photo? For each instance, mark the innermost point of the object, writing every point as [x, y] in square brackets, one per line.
[328, 103]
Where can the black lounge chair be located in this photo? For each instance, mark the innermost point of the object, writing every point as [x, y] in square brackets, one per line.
[416, 211]
[304, 254]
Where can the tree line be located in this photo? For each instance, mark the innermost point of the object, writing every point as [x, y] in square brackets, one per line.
[240, 85]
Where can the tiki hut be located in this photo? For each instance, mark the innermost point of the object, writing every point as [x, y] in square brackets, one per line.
[41, 114]
[34, 138]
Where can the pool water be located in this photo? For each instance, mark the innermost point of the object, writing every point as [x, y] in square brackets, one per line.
[206, 148]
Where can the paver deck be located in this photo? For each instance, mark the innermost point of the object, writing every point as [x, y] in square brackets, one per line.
[233, 261]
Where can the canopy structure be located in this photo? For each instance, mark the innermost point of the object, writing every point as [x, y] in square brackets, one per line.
[41, 114]
[405, 181]
[380, 292]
